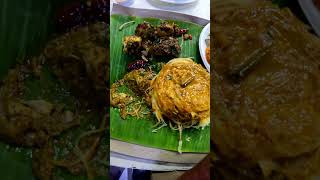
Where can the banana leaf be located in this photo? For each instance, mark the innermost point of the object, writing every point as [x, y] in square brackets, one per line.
[25, 27]
[139, 131]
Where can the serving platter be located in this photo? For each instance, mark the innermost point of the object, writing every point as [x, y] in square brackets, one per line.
[134, 156]
[127, 153]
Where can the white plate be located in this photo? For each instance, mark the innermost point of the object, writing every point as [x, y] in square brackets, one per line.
[178, 1]
[312, 13]
[202, 45]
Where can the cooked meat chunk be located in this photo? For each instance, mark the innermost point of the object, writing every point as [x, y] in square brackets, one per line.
[132, 45]
[168, 47]
[155, 41]
[145, 30]
[166, 29]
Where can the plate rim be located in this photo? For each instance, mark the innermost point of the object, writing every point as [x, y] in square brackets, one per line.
[177, 2]
[202, 45]
[128, 155]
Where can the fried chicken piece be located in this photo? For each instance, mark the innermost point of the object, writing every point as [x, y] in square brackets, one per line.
[167, 47]
[152, 41]
[166, 29]
[145, 30]
[132, 45]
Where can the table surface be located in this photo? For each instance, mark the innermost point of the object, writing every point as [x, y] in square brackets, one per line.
[200, 8]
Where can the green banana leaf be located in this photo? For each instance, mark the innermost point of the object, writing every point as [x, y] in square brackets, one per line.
[25, 27]
[139, 131]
